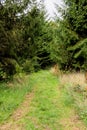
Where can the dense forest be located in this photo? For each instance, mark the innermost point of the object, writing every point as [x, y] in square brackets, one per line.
[30, 42]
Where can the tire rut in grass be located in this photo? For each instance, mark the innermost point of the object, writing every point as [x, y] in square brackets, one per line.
[14, 121]
[43, 109]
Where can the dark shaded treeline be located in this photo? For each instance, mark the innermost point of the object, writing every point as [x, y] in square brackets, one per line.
[28, 42]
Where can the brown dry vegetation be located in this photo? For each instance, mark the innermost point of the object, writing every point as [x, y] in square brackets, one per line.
[74, 78]
[86, 76]
[55, 70]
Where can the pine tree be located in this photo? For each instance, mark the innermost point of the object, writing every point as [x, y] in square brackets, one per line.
[33, 47]
[72, 38]
[9, 22]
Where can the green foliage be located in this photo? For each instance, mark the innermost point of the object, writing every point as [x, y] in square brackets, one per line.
[22, 36]
[63, 39]
[76, 16]
[28, 40]
[2, 73]
[70, 40]
[28, 66]
[9, 67]
[7, 39]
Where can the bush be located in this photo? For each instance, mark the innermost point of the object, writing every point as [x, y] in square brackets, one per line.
[2, 74]
[8, 68]
[28, 66]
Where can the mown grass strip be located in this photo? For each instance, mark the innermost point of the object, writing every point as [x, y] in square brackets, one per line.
[49, 104]
[52, 107]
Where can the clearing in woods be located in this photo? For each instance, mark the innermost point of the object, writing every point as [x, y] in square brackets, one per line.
[47, 107]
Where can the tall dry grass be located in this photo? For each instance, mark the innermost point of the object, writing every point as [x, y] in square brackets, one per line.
[76, 87]
[55, 70]
[74, 79]
[86, 76]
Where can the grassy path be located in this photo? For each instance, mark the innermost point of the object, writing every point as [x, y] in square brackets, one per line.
[47, 108]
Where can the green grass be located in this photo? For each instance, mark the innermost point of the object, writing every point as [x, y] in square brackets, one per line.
[11, 96]
[49, 105]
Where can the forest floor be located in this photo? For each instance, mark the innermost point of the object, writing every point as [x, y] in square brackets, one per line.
[47, 107]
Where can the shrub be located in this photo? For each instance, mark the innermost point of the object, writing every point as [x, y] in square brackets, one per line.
[28, 66]
[8, 68]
